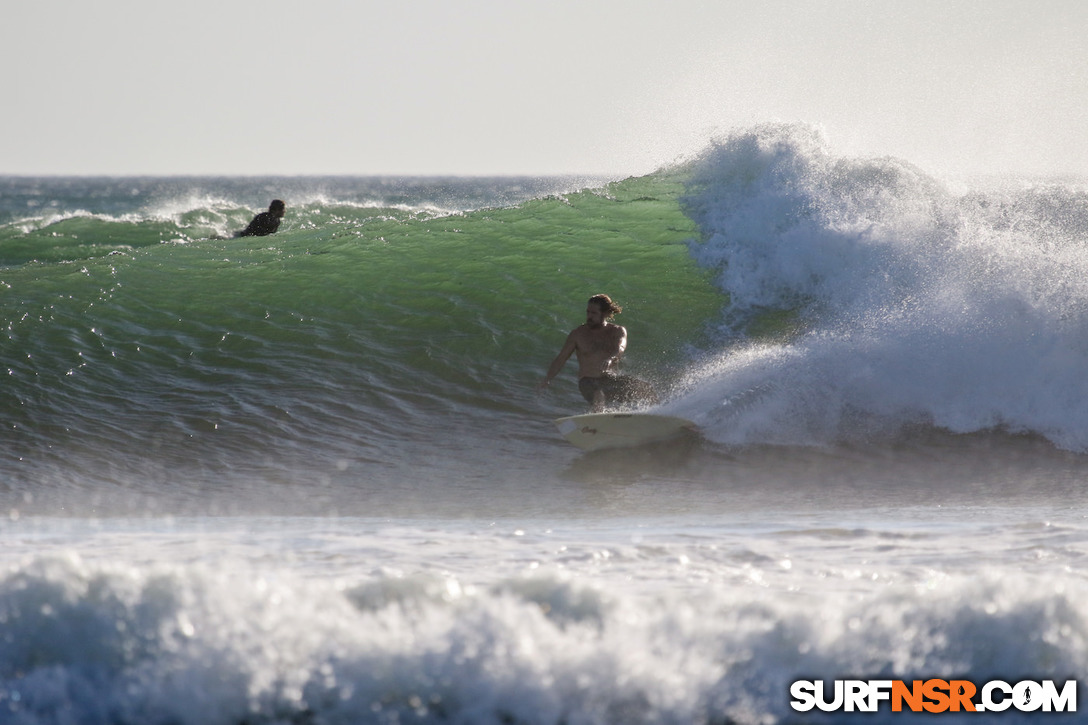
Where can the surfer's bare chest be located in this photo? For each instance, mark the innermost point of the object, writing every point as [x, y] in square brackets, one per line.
[601, 343]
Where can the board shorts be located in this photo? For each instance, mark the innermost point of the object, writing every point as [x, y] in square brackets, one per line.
[619, 390]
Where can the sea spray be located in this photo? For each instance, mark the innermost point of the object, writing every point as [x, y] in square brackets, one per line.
[914, 306]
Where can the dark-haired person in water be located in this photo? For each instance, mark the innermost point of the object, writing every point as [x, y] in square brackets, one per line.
[599, 345]
[266, 222]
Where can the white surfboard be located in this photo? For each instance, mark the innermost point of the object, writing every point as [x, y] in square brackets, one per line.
[594, 431]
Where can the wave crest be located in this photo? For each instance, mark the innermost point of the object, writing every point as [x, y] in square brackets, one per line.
[967, 312]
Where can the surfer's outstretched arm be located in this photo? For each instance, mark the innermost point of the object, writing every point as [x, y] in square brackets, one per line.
[560, 360]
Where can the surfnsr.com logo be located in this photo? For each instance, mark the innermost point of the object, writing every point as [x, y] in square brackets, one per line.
[934, 696]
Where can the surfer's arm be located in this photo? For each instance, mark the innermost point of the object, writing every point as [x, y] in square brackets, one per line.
[621, 346]
[620, 338]
[560, 360]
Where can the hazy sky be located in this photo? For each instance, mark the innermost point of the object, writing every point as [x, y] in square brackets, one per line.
[513, 86]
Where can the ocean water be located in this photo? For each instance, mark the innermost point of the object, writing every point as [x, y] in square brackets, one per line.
[308, 478]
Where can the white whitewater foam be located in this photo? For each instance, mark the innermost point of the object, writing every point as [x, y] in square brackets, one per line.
[967, 312]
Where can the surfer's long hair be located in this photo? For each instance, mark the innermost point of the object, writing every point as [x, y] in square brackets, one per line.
[608, 307]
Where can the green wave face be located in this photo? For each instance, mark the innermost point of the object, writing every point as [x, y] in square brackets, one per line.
[351, 325]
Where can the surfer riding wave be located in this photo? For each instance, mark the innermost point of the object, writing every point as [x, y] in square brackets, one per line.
[599, 345]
